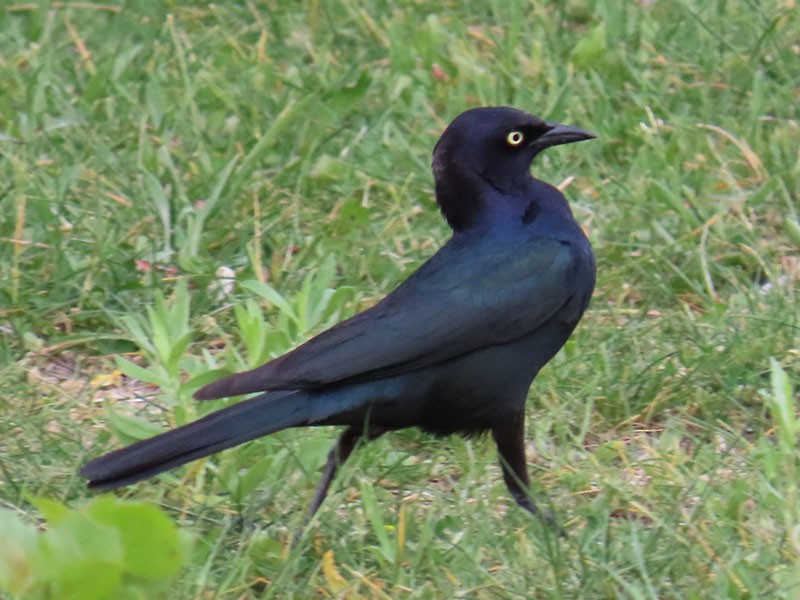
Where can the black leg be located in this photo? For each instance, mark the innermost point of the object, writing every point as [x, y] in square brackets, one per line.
[336, 457]
[510, 440]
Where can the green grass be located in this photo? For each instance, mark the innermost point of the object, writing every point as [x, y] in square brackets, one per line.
[145, 145]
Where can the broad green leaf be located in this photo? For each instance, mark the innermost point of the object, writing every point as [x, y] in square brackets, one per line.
[131, 429]
[134, 371]
[152, 546]
[273, 296]
[18, 544]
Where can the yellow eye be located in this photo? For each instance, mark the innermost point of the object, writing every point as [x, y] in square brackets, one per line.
[515, 138]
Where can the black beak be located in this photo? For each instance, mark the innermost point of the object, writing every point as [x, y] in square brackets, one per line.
[561, 134]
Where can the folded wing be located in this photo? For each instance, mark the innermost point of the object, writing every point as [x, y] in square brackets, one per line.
[445, 309]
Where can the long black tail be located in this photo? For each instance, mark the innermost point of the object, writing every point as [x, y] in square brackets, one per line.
[231, 426]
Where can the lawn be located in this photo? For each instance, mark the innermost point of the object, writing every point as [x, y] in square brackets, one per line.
[186, 187]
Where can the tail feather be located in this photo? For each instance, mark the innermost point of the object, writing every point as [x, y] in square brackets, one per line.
[238, 384]
[231, 426]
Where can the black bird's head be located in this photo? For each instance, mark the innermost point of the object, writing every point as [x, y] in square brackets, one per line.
[494, 146]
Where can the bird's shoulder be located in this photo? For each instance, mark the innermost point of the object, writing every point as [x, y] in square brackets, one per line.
[508, 255]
